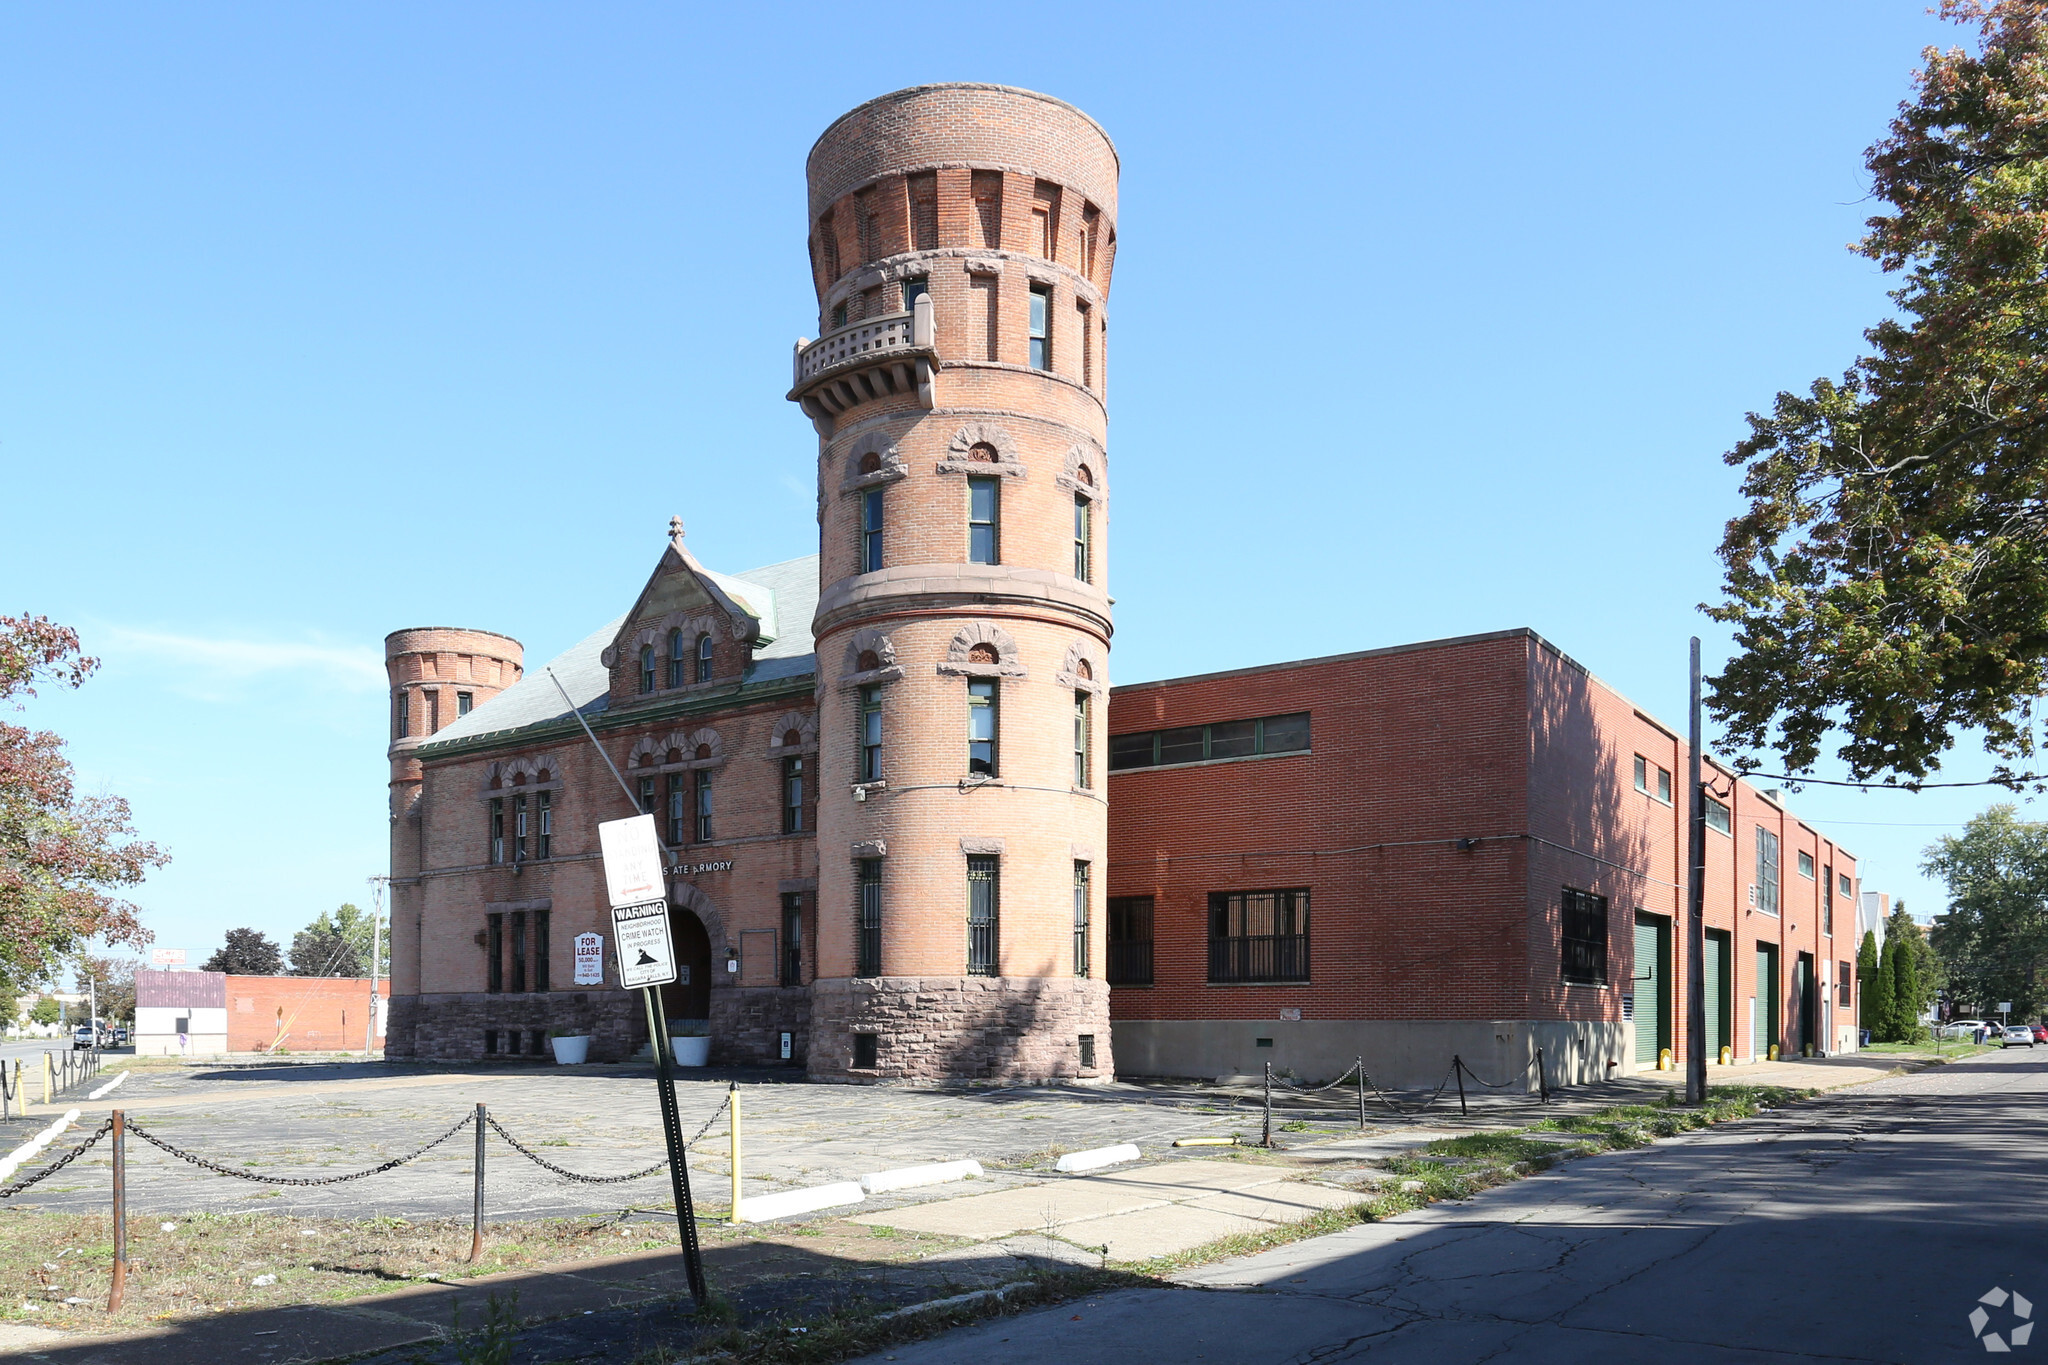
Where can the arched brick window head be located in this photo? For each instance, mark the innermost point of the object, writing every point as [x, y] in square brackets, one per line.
[981, 452]
[870, 463]
[793, 738]
[868, 661]
[983, 654]
[647, 668]
[703, 751]
[1082, 670]
[1082, 476]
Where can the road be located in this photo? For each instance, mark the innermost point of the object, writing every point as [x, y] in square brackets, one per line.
[1864, 1226]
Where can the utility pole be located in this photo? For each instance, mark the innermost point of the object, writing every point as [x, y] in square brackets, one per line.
[1696, 907]
[376, 951]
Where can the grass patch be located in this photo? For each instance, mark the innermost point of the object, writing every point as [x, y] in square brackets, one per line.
[1500, 1148]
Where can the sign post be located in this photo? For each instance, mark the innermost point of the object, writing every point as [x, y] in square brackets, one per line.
[638, 892]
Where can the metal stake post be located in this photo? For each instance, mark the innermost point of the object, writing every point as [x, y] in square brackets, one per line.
[1361, 1092]
[1266, 1137]
[1696, 909]
[732, 1100]
[476, 1209]
[119, 1135]
[1542, 1080]
[672, 1131]
[1458, 1070]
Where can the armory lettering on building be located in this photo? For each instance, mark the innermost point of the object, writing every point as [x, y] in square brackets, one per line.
[690, 869]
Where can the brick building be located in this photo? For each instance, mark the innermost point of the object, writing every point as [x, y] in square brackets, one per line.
[217, 1012]
[1467, 847]
[883, 771]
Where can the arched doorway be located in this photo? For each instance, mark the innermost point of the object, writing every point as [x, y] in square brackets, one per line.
[689, 995]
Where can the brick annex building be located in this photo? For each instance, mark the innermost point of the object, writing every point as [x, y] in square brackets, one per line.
[914, 837]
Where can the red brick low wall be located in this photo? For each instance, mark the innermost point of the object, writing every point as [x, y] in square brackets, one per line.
[301, 1013]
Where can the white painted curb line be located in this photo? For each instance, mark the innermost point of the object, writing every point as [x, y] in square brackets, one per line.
[784, 1203]
[910, 1177]
[119, 1076]
[13, 1160]
[1100, 1156]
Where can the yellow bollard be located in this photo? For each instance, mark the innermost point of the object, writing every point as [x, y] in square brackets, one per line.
[1664, 1059]
[733, 1099]
[1727, 1056]
[49, 1076]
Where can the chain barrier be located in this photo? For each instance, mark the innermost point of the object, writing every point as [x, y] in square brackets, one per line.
[1285, 1084]
[1506, 1084]
[218, 1169]
[9, 1191]
[1418, 1108]
[541, 1161]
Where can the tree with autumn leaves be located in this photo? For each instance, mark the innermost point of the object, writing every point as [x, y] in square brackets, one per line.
[1890, 577]
[64, 856]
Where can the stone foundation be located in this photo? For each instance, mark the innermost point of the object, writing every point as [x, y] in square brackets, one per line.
[450, 1027]
[977, 1028]
[747, 1024]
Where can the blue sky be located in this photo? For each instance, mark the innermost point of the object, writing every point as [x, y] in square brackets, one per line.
[322, 321]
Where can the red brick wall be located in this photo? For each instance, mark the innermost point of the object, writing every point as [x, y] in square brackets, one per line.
[300, 1013]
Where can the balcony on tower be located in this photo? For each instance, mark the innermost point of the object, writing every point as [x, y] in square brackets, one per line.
[892, 353]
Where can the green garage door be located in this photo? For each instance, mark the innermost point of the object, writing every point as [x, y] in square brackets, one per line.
[1652, 987]
[1715, 962]
[1766, 1020]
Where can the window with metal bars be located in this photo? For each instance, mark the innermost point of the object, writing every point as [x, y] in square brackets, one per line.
[402, 722]
[982, 909]
[984, 518]
[1583, 937]
[1130, 941]
[517, 933]
[494, 953]
[1766, 871]
[1258, 935]
[1082, 767]
[792, 938]
[541, 945]
[868, 944]
[871, 734]
[981, 727]
[1081, 926]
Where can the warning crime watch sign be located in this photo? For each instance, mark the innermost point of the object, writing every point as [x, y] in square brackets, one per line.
[646, 957]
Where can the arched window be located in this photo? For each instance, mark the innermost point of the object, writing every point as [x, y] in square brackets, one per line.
[704, 657]
[675, 657]
[647, 668]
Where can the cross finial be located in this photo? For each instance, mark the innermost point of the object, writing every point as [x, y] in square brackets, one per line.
[675, 528]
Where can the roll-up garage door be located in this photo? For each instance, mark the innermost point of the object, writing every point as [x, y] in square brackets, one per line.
[1652, 987]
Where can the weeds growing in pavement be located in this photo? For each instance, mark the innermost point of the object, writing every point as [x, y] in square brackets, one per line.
[492, 1343]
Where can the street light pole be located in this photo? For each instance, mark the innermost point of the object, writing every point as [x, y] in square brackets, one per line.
[1696, 907]
[376, 951]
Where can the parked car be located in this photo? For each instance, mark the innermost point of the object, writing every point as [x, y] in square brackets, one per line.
[2041, 1033]
[84, 1036]
[120, 1037]
[1963, 1028]
[2018, 1035]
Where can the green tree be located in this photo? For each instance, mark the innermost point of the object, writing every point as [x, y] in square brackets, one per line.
[337, 944]
[1901, 967]
[1993, 942]
[247, 952]
[1873, 987]
[62, 855]
[113, 981]
[45, 1011]
[1890, 575]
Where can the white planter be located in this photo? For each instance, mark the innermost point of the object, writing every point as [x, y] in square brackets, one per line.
[691, 1051]
[571, 1051]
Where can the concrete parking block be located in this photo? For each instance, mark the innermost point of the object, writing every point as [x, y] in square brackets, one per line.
[1287, 1202]
[1162, 1231]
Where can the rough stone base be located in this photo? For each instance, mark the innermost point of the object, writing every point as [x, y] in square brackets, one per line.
[747, 1024]
[1405, 1053]
[450, 1027]
[1010, 1029]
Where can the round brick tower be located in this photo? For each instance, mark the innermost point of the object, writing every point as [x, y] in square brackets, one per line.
[961, 242]
[438, 674]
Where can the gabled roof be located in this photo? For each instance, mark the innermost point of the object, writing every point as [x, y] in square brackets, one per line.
[782, 597]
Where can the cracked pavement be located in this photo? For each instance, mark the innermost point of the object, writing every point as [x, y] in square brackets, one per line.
[1860, 1226]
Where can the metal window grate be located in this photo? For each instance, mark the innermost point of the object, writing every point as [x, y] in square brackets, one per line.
[868, 947]
[1258, 935]
[1584, 937]
[1130, 941]
[1081, 953]
[981, 916]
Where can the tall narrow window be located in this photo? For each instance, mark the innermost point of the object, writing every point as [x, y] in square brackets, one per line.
[1827, 899]
[839, 317]
[871, 530]
[1766, 871]
[981, 727]
[704, 657]
[544, 836]
[984, 521]
[1084, 558]
[1041, 328]
[703, 806]
[648, 797]
[678, 808]
[871, 734]
[1583, 939]
[465, 702]
[1080, 919]
[1081, 764]
[403, 721]
[494, 953]
[519, 814]
[981, 916]
[792, 938]
[497, 825]
[1130, 941]
[540, 951]
[518, 934]
[793, 794]
[868, 947]
[647, 668]
[1087, 320]
[915, 288]
[677, 658]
